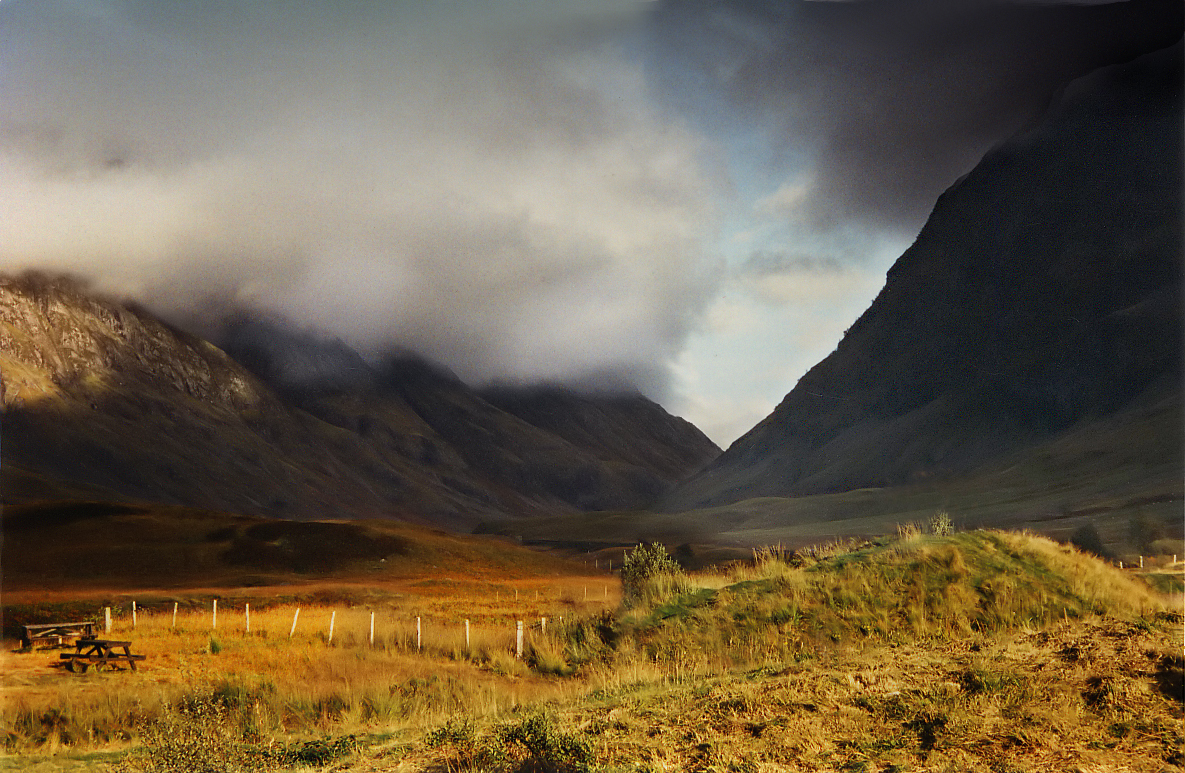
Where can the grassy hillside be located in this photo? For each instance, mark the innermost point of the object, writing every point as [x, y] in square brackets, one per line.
[972, 651]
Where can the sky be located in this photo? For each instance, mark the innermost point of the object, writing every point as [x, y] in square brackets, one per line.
[694, 198]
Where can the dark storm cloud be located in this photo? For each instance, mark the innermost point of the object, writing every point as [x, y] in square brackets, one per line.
[890, 100]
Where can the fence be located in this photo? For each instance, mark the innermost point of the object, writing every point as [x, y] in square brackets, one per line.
[337, 627]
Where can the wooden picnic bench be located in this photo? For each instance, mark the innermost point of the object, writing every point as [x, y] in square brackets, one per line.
[100, 653]
[49, 635]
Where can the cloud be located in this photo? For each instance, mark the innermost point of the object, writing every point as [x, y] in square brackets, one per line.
[883, 104]
[491, 185]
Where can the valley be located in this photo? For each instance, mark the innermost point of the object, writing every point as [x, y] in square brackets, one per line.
[956, 544]
[979, 650]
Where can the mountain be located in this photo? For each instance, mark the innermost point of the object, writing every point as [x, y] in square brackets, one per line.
[104, 402]
[669, 446]
[1042, 295]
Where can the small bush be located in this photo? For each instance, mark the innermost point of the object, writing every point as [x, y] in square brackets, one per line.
[321, 751]
[940, 524]
[541, 747]
[197, 736]
[642, 565]
[1088, 539]
[533, 745]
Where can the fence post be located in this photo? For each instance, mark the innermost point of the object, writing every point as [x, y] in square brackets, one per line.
[372, 629]
[332, 619]
[174, 614]
[133, 615]
[1141, 566]
[466, 635]
[543, 625]
[293, 629]
[418, 640]
[214, 620]
[586, 593]
[518, 646]
[107, 619]
[248, 609]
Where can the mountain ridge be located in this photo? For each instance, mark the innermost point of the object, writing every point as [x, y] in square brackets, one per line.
[99, 396]
[1044, 290]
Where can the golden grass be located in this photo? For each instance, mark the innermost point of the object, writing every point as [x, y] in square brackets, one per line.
[306, 683]
[977, 651]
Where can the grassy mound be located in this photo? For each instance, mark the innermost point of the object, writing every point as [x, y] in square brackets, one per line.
[908, 589]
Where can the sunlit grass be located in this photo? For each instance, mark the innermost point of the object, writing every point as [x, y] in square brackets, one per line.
[893, 652]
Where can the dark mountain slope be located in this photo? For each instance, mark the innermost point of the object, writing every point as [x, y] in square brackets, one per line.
[619, 428]
[102, 401]
[1044, 292]
[640, 453]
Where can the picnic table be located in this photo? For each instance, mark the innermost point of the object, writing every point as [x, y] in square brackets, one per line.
[100, 653]
[48, 635]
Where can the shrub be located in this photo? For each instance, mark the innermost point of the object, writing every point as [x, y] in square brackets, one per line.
[197, 736]
[533, 745]
[644, 564]
[543, 747]
[940, 524]
[1088, 539]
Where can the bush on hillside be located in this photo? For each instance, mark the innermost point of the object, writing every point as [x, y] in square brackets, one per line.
[644, 565]
[940, 524]
[1087, 538]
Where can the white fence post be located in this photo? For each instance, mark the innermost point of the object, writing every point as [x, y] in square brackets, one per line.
[518, 646]
[332, 619]
[543, 625]
[214, 619]
[133, 614]
[174, 614]
[247, 608]
[293, 629]
[372, 629]
[418, 640]
[107, 619]
[466, 635]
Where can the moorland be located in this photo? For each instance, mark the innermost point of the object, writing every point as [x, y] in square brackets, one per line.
[928, 649]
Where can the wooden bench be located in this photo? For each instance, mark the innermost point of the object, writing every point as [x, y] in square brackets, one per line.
[100, 653]
[50, 635]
